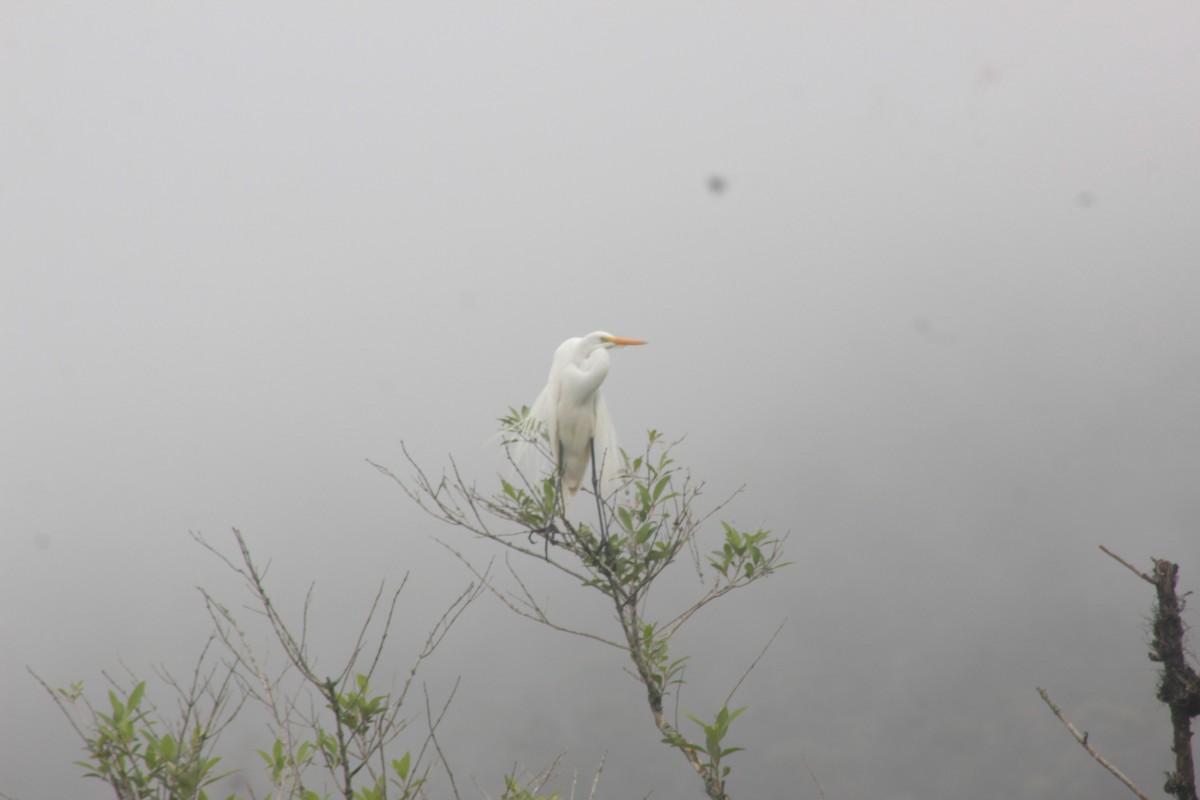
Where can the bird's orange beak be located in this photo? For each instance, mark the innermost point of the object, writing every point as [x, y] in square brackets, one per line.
[622, 342]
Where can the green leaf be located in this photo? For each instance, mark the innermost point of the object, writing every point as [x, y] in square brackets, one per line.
[401, 766]
[135, 696]
[125, 729]
[118, 709]
[662, 484]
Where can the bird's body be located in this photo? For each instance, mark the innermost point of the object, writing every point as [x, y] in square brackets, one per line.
[574, 413]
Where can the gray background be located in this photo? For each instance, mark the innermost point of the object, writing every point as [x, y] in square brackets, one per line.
[942, 323]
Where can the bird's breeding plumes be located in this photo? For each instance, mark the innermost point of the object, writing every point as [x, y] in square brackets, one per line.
[571, 414]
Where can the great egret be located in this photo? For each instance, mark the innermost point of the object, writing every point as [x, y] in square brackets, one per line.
[574, 414]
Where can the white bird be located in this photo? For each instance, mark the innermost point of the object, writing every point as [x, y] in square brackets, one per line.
[574, 414]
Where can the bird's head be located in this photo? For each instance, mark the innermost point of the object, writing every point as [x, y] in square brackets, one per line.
[607, 340]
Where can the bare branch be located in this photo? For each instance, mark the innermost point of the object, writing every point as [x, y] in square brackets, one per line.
[528, 608]
[57, 696]
[358, 738]
[811, 774]
[433, 725]
[754, 663]
[1082, 738]
[1128, 566]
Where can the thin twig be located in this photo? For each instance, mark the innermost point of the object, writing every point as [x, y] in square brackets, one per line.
[719, 590]
[1131, 567]
[754, 663]
[811, 774]
[433, 724]
[537, 614]
[54, 695]
[1082, 738]
[596, 780]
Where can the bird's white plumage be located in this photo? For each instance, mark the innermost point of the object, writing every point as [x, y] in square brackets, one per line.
[574, 415]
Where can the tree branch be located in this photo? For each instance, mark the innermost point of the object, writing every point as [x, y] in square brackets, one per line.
[1179, 685]
[1128, 566]
[1082, 738]
[647, 527]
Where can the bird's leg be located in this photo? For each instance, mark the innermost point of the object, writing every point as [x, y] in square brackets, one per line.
[599, 499]
[558, 501]
[558, 485]
[549, 530]
[547, 533]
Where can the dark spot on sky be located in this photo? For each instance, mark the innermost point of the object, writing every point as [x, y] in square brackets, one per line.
[988, 75]
[925, 329]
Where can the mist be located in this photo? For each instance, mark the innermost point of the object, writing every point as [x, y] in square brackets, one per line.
[921, 278]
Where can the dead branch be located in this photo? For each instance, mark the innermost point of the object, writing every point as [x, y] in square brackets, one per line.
[1128, 566]
[1179, 685]
[1082, 738]
[813, 775]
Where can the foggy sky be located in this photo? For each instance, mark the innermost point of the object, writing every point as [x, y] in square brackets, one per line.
[941, 323]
